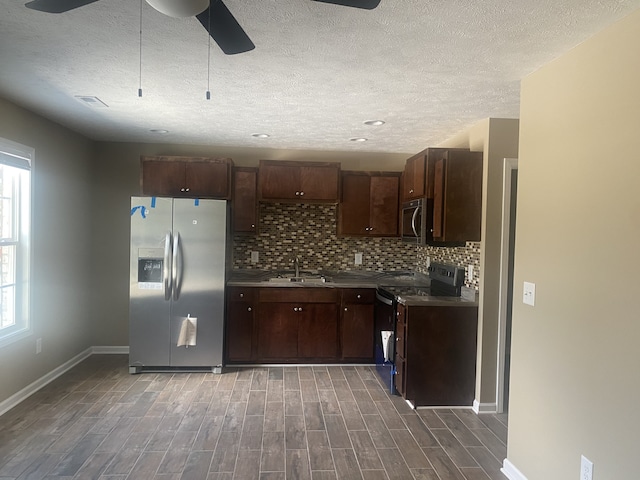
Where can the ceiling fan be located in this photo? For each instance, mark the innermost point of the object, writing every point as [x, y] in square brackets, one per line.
[224, 28]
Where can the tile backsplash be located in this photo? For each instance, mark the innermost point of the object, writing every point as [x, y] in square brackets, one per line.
[308, 231]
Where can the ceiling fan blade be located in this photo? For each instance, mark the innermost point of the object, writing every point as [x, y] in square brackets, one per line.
[366, 4]
[57, 6]
[225, 29]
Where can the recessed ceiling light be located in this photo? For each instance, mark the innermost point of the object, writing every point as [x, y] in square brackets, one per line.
[159, 130]
[260, 135]
[360, 139]
[94, 102]
[374, 123]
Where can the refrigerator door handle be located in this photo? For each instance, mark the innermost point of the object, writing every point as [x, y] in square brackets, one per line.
[166, 273]
[175, 266]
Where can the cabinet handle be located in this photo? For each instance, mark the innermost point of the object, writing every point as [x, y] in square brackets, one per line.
[241, 295]
[253, 226]
[301, 193]
[249, 309]
[411, 190]
[358, 296]
[187, 189]
[345, 309]
[182, 189]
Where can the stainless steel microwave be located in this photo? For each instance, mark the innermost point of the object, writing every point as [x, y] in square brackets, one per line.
[414, 221]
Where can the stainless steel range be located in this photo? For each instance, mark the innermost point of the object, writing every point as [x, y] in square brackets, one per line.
[444, 281]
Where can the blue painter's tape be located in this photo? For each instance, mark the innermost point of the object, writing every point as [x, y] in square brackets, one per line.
[143, 211]
[153, 202]
[196, 202]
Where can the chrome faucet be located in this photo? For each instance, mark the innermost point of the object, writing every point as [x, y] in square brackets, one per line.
[296, 265]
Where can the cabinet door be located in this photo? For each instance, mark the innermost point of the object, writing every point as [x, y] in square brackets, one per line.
[354, 205]
[279, 182]
[319, 183]
[457, 197]
[384, 205]
[207, 179]
[318, 330]
[357, 331]
[162, 179]
[239, 331]
[244, 200]
[414, 178]
[278, 331]
[438, 199]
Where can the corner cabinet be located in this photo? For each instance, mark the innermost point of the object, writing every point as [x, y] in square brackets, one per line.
[436, 354]
[201, 177]
[369, 204]
[244, 200]
[302, 182]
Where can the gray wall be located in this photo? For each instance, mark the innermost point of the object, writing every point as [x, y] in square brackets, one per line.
[60, 289]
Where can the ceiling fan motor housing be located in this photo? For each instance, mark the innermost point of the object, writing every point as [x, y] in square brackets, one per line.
[179, 8]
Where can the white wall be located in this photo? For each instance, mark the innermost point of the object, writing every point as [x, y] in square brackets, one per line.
[575, 377]
[60, 311]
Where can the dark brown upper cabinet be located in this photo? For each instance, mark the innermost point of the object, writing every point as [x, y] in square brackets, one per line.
[414, 177]
[457, 196]
[369, 204]
[197, 177]
[301, 182]
[245, 206]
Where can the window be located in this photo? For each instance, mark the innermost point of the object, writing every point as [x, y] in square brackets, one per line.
[15, 225]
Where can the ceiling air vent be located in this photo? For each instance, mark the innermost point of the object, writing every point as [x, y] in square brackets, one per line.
[93, 102]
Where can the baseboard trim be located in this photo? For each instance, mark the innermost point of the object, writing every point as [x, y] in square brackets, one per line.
[104, 350]
[43, 381]
[484, 407]
[511, 472]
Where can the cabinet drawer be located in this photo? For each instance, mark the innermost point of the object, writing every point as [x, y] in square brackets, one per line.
[241, 294]
[358, 295]
[299, 295]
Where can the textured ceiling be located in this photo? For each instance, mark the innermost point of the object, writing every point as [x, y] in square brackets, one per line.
[427, 68]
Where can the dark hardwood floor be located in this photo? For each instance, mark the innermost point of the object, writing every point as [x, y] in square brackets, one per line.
[316, 423]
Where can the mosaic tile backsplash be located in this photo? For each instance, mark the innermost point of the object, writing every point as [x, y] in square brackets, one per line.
[308, 231]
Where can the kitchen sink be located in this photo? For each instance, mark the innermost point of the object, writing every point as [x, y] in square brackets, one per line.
[304, 279]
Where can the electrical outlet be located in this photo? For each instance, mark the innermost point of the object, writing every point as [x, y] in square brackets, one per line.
[254, 257]
[358, 259]
[38, 345]
[586, 468]
[470, 273]
[529, 294]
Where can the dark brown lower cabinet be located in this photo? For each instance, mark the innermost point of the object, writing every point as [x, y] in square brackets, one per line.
[239, 325]
[436, 354]
[357, 324]
[299, 325]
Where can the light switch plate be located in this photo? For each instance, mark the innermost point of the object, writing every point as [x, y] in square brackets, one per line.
[254, 257]
[529, 294]
[470, 273]
[358, 259]
[586, 468]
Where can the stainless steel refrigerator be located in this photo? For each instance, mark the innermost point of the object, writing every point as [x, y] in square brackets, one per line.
[177, 278]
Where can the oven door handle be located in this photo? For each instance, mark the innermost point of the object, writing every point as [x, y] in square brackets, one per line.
[385, 300]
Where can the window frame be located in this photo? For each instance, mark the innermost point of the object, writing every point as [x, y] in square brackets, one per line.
[20, 156]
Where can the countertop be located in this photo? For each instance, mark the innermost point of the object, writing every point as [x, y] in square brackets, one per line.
[346, 279]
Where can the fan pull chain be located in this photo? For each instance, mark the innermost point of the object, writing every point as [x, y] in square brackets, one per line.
[140, 72]
[209, 57]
